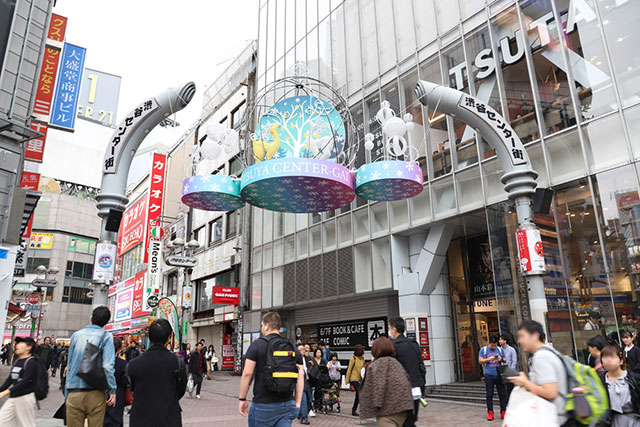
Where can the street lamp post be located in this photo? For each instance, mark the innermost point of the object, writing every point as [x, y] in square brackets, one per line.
[186, 249]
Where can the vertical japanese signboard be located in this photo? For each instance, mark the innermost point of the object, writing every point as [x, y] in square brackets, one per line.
[132, 227]
[156, 190]
[138, 295]
[228, 355]
[34, 148]
[30, 181]
[57, 27]
[49, 68]
[65, 98]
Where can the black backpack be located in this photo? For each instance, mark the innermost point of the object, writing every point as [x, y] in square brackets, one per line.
[280, 373]
[41, 385]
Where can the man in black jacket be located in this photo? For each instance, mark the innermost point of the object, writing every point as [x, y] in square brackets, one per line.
[44, 352]
[409, 355]
[158, 380]
[132, 351]
[197, 367]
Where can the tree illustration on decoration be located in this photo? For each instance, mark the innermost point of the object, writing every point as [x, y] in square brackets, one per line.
[301, 126]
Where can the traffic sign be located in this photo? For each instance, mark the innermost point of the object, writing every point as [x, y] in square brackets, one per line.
[34, 298]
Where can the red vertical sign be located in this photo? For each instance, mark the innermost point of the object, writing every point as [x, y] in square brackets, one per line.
[156, 190]
[46, 81]
[228, 355]
[30, 181]
[34, 148]
[138, 294]
[57, 27]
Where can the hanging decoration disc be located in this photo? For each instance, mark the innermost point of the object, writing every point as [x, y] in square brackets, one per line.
[389, 180]
[212, 193]
[297, 185]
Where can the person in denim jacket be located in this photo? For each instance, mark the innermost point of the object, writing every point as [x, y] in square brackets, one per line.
[83, 401]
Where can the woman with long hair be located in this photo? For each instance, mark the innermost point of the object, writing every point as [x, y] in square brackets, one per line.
[209, 356]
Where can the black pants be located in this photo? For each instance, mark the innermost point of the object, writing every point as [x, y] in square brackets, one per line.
[489, 381]
[412, 416]
[356, 387]
[197, 381]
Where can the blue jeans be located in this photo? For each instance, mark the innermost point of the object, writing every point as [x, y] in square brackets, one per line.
[308, 395]
[489, 381]
[272, 414]
[305, 404]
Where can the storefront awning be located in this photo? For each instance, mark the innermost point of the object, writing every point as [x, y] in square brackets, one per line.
[14, 312]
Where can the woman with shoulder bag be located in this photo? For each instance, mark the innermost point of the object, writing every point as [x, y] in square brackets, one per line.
[354, 377]
[386, 389]
[114, 415]
[209, 356]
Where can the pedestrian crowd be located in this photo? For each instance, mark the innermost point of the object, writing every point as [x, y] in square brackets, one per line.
[102, 375]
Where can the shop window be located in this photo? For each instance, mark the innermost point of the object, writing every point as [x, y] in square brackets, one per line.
[215, 231]
[77, 279]
[233, 221]
[410, 105]
[200, 235]
[510, 45]
[548, 64]
[437, 130]
[36, 258]
[205, 289]
[82, 246]
[620, 22]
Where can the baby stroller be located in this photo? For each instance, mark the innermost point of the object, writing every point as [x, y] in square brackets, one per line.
[327, 395]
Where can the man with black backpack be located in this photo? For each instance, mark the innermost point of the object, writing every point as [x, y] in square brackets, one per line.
[279, 378]
[27, 382]
[91, 383]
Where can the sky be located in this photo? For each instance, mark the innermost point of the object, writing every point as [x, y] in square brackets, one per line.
[152, 45]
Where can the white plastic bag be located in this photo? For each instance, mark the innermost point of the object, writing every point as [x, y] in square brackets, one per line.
[190, 385]
[528, 410]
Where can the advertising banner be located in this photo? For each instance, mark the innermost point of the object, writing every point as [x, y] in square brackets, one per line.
[345, 335]
[65, 97]
[105, 262]
[228, 359]
[99, 97]
[226, 295]
[57, 27]
[187, 296]
[155, 265]
[123, 305]
[21, 258]
[156, 190]
[119, 287]
[46, 82]
[480, 268]
[30, 181]
[138, 295]
[530, 251]
[41, 241]
[34, 148]
[132, 227]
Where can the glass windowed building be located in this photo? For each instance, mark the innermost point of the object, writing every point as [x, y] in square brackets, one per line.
[565, 73]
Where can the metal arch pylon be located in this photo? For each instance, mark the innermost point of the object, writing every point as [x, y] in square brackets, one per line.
[519, 178]
[114, 182]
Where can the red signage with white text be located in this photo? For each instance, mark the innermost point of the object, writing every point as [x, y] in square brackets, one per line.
[530, 251]
[138, 295]
[34, 148]
[226, 295]
[133, 226]
[30, 181]
[49, 68]
[156, 190]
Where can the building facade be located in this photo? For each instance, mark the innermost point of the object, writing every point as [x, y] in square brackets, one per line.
[219, 233]
[566, 76]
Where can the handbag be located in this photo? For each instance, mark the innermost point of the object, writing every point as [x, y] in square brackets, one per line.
[190, 385]
[128, 397]
[91, 370]
[525, 409]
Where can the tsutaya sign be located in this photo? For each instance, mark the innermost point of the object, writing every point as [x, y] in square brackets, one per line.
[585, 72]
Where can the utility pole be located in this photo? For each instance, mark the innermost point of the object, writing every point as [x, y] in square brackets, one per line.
[121, 149]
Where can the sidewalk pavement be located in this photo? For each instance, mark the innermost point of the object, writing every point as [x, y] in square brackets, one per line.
[219, 407]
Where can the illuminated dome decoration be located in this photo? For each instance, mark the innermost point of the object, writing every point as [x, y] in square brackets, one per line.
[395, 174]
[212, 193]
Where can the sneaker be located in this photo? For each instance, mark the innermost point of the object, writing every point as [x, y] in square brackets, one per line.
[305, 422]
[198, 396]
[502, 413]
[490, 416]
[312, 414]
[355, 414]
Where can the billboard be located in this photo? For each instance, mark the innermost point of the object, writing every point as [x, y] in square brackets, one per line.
[65, 97]
[156, 190]
[133, 225]
[30, 181]
[104, 264]
[99, 94]
[41, 241]
[124, 302]
[226, 295]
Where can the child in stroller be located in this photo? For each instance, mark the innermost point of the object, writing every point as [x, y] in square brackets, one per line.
[326, 396]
